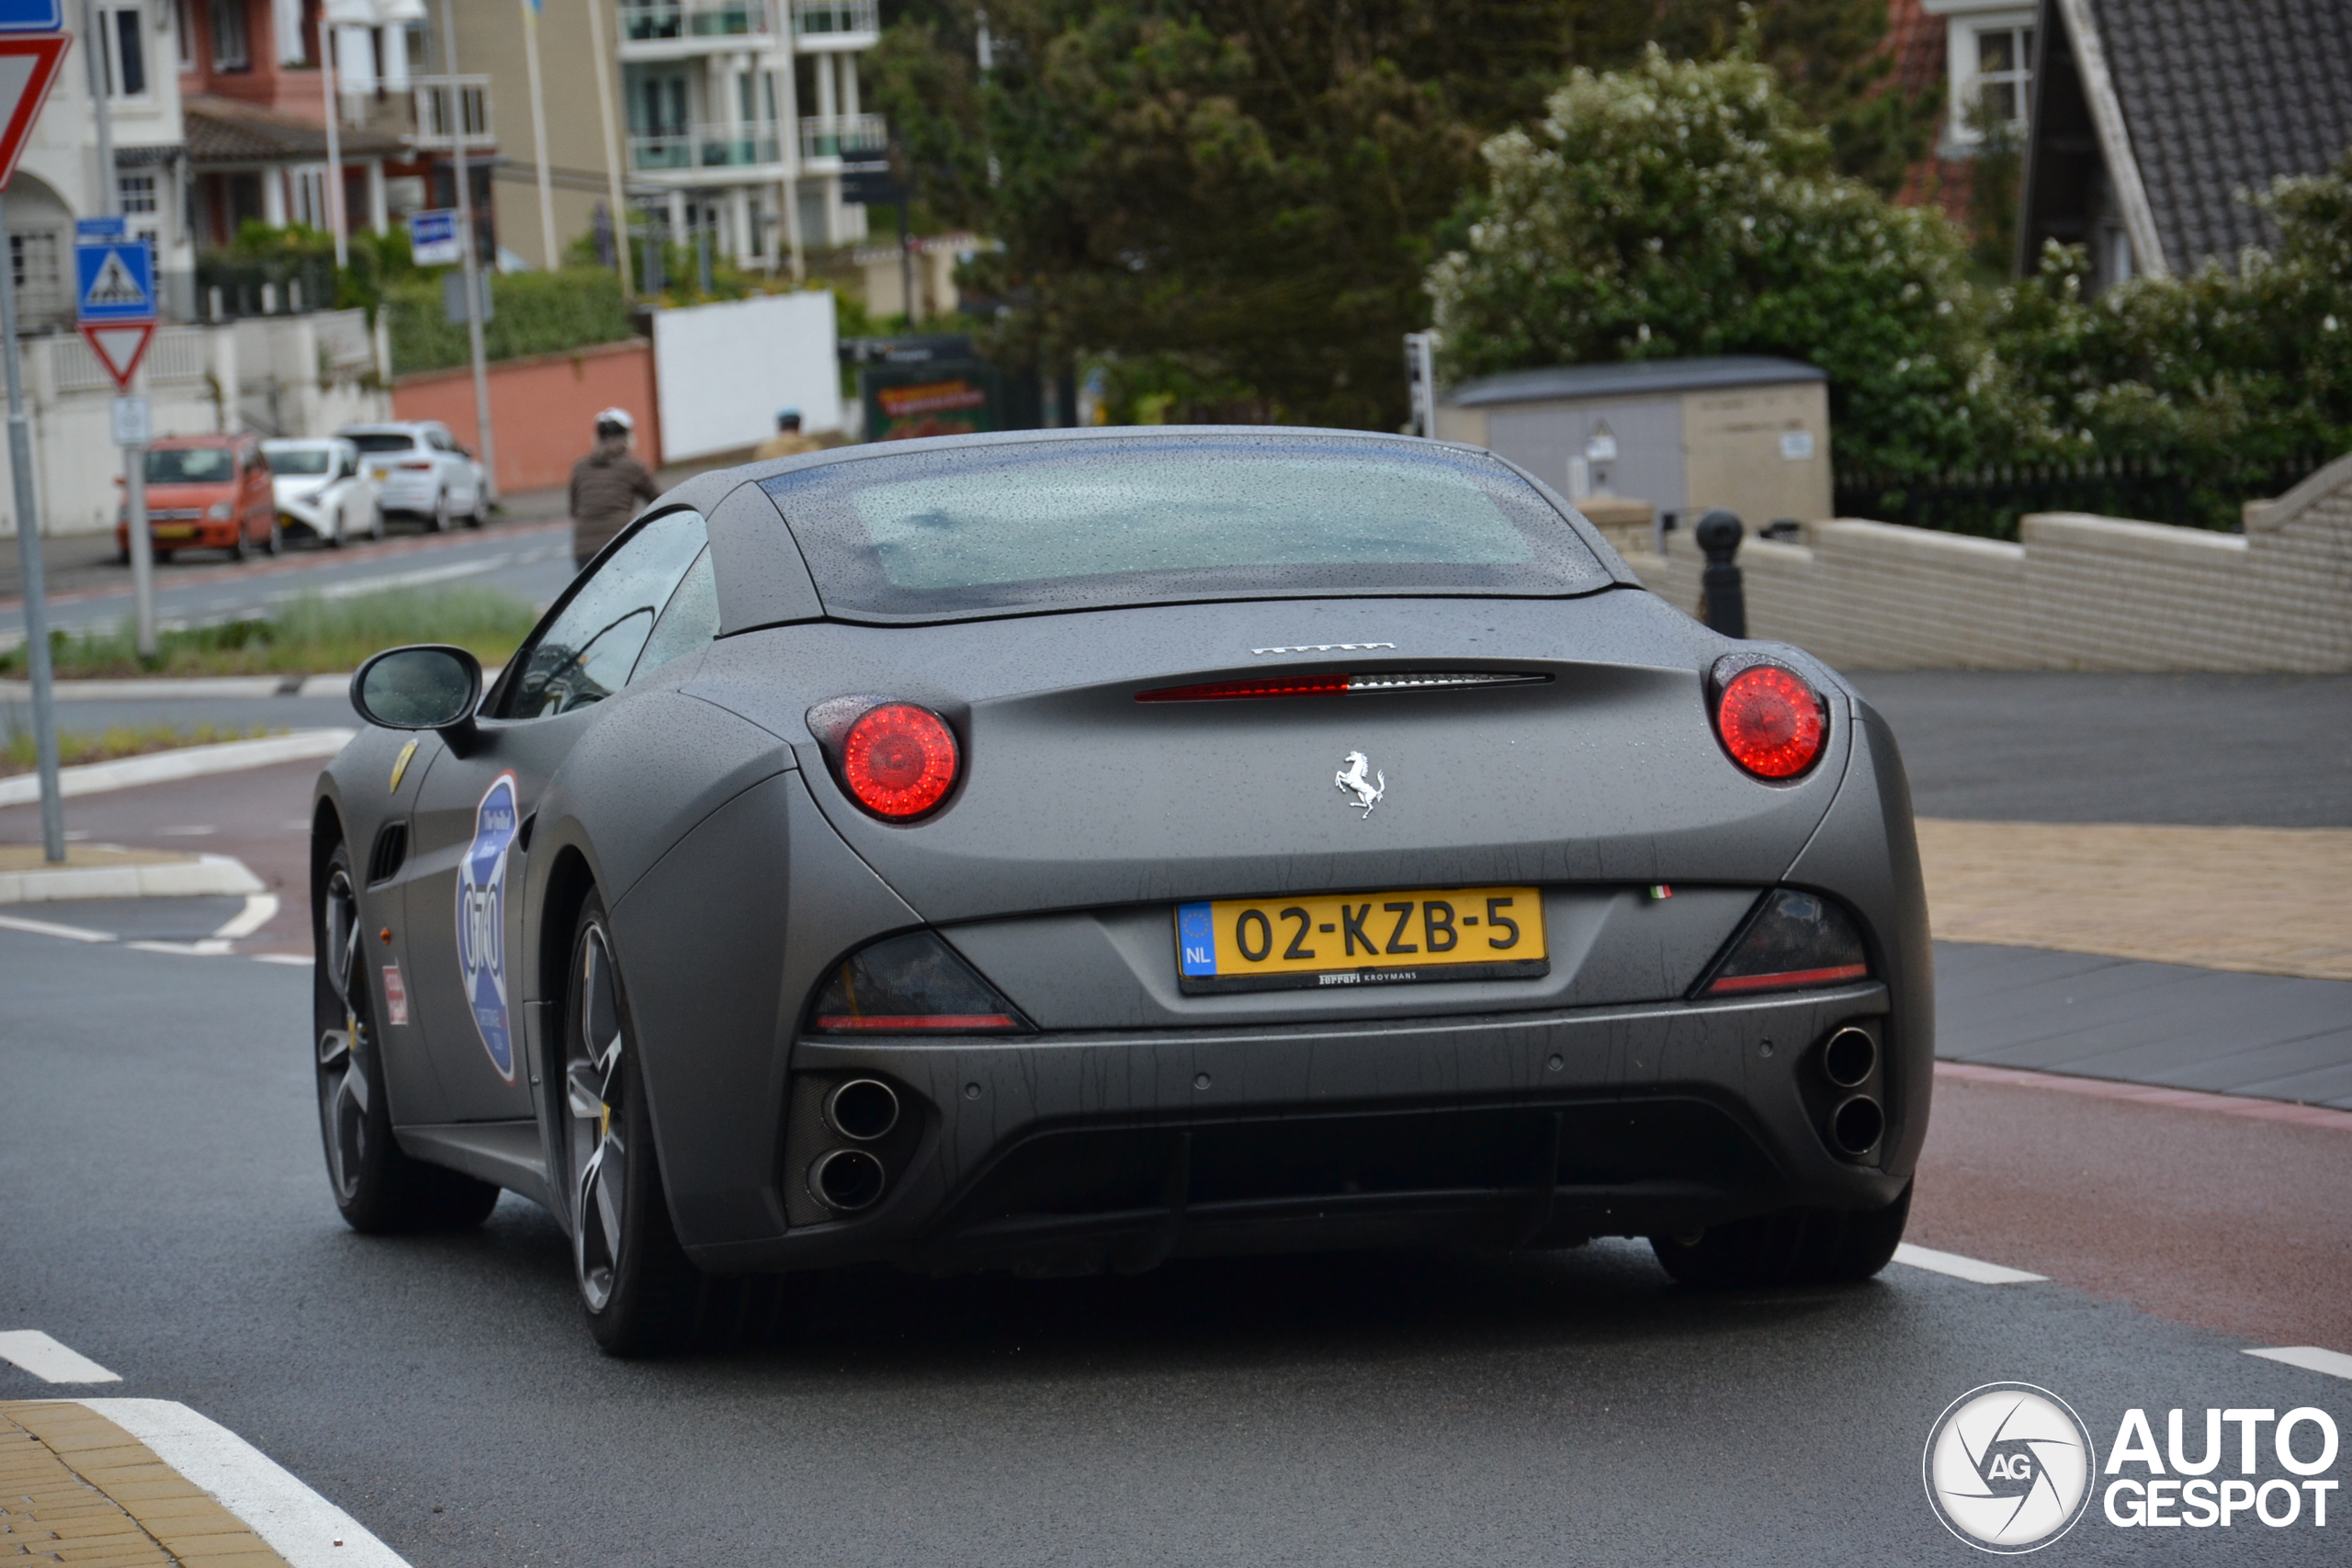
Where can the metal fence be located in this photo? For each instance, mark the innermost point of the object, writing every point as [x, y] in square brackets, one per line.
[232, 287]
[1989, 501]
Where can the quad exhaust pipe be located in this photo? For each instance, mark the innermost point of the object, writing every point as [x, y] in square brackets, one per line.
[862, 1110]
[847, 1180]
[1856, 1125]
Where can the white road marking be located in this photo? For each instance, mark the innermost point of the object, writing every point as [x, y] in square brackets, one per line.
[300, 1526]
[259, 910]
[356, 587]
[194, 830]
[182, 763]
[291, 960]
[44, 1357]
[1971, 1269]
[207, 947]
[2310, 1358]
[50, 928]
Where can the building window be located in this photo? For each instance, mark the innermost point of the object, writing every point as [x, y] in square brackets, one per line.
[183, 35]
[2004, 74]
[138, 192]
[122, 35]
[229, 51]
[32, 263]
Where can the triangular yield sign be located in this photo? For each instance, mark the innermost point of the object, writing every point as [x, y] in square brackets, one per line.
[27, 70]
[120, 348]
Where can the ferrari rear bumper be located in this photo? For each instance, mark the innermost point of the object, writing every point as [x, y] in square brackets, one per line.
[1063, 1154]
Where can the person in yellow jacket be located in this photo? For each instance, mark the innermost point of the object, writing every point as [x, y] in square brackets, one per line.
[787, 441]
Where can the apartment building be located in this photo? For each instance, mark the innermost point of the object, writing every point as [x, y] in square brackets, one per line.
[732, 119]
[254, 96]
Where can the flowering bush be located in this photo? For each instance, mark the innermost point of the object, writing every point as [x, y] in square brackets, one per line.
[1680, 208]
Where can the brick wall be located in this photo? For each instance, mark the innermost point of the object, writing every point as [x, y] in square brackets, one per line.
[542, 410]
[2077, 592]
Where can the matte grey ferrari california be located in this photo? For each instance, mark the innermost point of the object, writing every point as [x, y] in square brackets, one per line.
[1072, 850]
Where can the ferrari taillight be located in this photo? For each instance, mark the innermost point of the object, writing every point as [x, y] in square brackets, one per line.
[1771, 721]
[899, 760]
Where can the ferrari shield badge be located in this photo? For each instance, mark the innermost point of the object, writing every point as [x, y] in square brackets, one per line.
[481, 921]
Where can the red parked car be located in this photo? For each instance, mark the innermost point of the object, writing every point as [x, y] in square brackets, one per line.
[204, 492]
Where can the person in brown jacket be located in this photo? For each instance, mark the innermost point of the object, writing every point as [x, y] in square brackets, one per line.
[609, 487]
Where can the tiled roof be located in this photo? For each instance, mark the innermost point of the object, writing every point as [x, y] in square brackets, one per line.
[1916, 40]
[2221, 95]
[224, 130]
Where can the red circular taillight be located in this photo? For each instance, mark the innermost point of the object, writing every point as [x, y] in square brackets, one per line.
[1771, 722]
[899, 760]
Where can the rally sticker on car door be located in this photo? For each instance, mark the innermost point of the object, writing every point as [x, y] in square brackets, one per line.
[481, 920]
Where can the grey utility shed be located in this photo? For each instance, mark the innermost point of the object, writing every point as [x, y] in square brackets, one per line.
[1745, 432]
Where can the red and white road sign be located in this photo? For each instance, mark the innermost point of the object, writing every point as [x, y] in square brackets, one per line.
[27, 70]
[119, 347]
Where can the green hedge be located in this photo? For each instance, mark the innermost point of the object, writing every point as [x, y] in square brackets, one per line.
[531, 312]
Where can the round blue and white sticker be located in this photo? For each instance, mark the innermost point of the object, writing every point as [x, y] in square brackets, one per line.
[481, 921]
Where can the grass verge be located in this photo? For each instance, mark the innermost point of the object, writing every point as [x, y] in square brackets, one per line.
[119, 740]
[308, 636]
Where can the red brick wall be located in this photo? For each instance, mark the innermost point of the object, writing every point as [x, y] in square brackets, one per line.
[543, 409]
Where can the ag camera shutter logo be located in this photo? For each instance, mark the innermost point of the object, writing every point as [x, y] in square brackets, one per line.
[2008, 1468]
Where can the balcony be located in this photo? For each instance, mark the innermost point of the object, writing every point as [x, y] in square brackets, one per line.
[668, 29]
[436, 119]
[835, 25]
[844, 136]
[752, 150]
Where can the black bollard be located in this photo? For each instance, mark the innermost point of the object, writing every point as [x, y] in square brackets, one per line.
[1723, 604]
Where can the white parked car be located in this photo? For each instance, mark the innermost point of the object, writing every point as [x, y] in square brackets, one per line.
[322, 490]
[420, 471]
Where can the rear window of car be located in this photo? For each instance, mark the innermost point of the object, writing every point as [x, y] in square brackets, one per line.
[297, 460]
[386, 441]
[191, 466]
[1080, 523]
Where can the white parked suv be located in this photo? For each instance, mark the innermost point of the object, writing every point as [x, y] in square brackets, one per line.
[420, 471]
[323, 490]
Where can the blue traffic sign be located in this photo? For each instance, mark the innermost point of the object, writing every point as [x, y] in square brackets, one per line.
[88, 228]
[433, 237]
[32, 16]
[114, 280]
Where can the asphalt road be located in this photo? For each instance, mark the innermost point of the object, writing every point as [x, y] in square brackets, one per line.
[167, 1215]
[2200, 750]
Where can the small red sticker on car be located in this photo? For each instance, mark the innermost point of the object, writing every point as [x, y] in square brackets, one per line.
[395, 994]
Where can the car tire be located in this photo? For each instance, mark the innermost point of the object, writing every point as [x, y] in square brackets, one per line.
[639, 1291]
[122, 556]
[479, 516]
[161, 556]
[376, 1187]
[276, 539]
[437, 520]
[237, 544]
[376, 522]
[1795, 1247]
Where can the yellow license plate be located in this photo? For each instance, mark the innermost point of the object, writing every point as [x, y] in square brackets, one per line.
[178, 532]
[1361, 939]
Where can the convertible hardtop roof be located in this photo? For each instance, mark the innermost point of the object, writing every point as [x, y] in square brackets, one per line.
[763, 580]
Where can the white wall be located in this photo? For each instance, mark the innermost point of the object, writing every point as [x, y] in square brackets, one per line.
[722, 370]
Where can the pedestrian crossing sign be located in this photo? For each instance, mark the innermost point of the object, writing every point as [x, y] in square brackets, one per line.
[115, 279]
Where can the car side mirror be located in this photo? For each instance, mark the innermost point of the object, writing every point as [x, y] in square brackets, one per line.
[430, 686]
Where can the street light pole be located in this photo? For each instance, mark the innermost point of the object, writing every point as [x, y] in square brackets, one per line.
[539, 134]
[138, 544]
[472, 259]
[20, 466]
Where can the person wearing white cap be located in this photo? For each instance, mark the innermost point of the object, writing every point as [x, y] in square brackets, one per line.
[609, 487]
[788, 440]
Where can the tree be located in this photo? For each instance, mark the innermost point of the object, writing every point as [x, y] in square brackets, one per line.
[1240, 192]
[1676, 208]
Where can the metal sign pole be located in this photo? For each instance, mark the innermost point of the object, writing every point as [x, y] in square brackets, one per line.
[140, 545]
[20, 466]
[475, 290]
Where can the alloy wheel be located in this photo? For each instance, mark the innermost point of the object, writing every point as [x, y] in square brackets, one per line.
[594, 1088]
[342, 1069]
